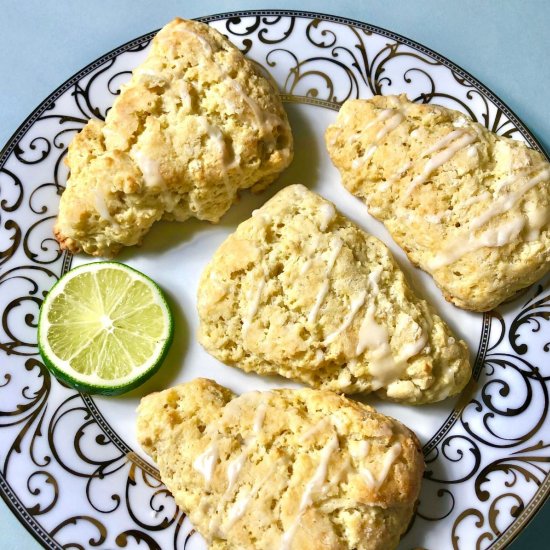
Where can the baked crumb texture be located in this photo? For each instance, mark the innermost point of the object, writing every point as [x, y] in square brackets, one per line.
[195, 124]
[286, 469]
[298, 290]
[469, 207]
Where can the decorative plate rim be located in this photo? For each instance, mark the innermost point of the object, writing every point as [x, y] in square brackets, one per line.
[540, 496]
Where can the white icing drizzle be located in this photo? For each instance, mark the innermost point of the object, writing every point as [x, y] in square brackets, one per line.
[235, 466]
[537, 219]
[319, 355]
[445, 152]
[357, 162]
[376, 481]
[327, 215]
[363, 449]
[384, 368]
[374, 279]
[234, 469]
[228, 158]
[255, 298]
[314, 485]
[253, 106]
[149, 167]
[413, 348]
[443, 142]
[383, 186]
[314, 243]
[493, 237]
[185, 95]
[321, 295]
[259, 418]
[214, 133]
[253, 307]
[508, 200]
[236, 512]
[305, 266]
[318, 479]
[372, 335]
[355, 306]
[505, 182]
[101, 207]
[473, 200]
[431, 164]
[405, 168]
[206, 462]
[336, 246]
[436, 218]
[238, 509]
[316, 428]
[393, 122]
[394, 118]
[380, 117]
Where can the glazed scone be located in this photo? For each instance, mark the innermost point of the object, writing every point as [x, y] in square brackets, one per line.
[280, 469]
[469, 207]
[300, 291]
[195, 124]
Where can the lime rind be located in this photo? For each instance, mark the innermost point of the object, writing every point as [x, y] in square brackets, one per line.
[86, 378]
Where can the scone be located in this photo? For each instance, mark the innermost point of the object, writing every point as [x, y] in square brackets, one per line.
[195, 124]
[469, 207]
[281, 469]
[301, 291]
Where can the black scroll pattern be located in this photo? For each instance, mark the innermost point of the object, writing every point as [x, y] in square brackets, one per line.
[499, 444]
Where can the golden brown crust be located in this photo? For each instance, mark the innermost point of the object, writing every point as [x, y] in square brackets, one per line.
[300, 291]
[469, 207]
[289, 466]
[195, 124]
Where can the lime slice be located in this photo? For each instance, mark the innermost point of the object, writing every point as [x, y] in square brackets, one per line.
[104, 328]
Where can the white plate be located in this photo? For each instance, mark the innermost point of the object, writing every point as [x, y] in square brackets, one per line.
[70, 467]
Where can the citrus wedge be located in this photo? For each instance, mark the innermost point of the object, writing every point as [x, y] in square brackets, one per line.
[104, 328]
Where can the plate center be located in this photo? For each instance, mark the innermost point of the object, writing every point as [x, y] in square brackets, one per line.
[174, 255]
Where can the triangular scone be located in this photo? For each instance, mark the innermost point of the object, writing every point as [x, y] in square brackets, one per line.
[469, 207]
[196, 123]
[301, 291]
[286, 469]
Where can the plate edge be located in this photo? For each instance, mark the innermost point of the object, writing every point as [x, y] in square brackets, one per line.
[517, 526]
